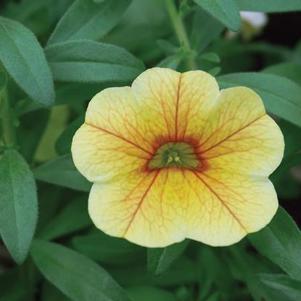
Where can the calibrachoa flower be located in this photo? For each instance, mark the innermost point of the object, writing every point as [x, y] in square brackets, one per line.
[174, 157]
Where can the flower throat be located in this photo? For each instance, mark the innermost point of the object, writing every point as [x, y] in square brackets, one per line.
[174, 154]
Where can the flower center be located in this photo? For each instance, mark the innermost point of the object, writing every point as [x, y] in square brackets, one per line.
[174, 154]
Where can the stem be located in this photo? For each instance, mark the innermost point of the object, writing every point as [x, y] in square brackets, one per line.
[7, 124]
[180, 31]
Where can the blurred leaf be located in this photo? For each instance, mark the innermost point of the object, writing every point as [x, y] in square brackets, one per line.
[92, 62]
[50, 200]
[280, 241]
[88, 19]
[75, 93]
[269, 5]
[213, 273]
[75, 275]
[245, 267]
[18, 204]
[51, 293]
[290, 159]
[214, 297]
[172, 61]
[226, 11]
[33, 131]
[25, 61]
[291, 135]
[149, 293]
[210, 57]
[13, 286]
[159, 260]
[289, 70]
[63, 143]
[205, 29]
[182, 272]
[36, 15]
[72, 218]
[61, 171]
[280, 287]
[107, 249]
[280, 95]
[56, 124]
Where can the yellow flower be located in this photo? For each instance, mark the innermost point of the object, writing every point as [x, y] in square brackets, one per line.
[173, 157]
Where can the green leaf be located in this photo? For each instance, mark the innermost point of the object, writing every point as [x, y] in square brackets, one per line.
[18, 204]
[149, 293]
[75, 275]
[289, 70]
[182, 272]
[213, 272]
[280, 95]
[159, 260]
[205, 29]
[63, 143]
[51, 293]
[24, 60]
[106, 249]
[61, 171]
[14, 285]
[172, 61]
[280, 241]
[270, 5]
[92, 62]
[226, 11]
[72, 218]
[214, 297]
[279, 287]
[88, 19]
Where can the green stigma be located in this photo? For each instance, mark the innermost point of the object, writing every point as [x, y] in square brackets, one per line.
[174, 154]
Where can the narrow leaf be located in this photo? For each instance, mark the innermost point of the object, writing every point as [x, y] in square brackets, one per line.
[24, 60]
[92, 62]
[280, 95]
[63, 143]
[61, 171]
[18, 204]
[289, 70]
[270, 5]
[88, 19]
[159, 260]
[280, 241]
[72, 218]
[279, 287]
[205, 29]
[106, 249]
[226, 11]
[149, 293]
[75, 275]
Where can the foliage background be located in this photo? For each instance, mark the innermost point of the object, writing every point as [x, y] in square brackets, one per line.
[55, 55]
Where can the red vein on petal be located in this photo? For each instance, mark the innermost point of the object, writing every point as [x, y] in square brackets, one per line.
[120, 137]
[141, 202]
[135, 187]
[222, 202]
[223, 184]
[226, 138]
[177, 107]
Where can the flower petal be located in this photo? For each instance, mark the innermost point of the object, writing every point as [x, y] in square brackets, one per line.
[227, 208]
[100, 155]
[177, 104]
[163, 207]
[198, 93]
[147, 209]
[240, 137]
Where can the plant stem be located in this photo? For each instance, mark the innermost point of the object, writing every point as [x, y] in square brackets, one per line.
[7, 124]
[180, 31]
